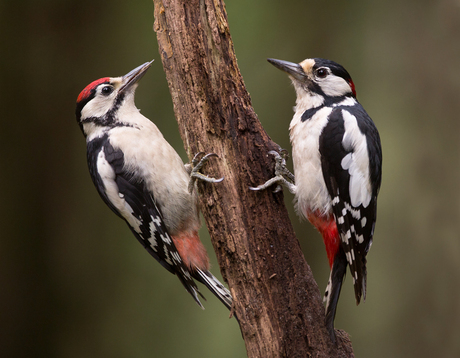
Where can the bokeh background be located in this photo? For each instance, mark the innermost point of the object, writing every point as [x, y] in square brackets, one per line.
[73, 280]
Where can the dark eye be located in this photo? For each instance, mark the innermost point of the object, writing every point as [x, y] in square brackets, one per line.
[106, 90]
[321, 72]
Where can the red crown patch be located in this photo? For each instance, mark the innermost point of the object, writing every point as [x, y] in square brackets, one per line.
[87, 90]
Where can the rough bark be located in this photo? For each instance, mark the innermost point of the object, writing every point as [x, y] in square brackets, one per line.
[276, 299]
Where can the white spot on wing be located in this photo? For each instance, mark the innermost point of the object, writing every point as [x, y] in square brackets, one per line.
[346, 237]
[153, 243]
[167, 256]
[166, 238]
[355, 213]
[156, 220]
[152, 228]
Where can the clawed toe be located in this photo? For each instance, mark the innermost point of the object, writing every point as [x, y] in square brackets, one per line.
[282, 175]
[198, 162]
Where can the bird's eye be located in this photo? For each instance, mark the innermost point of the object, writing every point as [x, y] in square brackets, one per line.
[321, 72]
[106, 90]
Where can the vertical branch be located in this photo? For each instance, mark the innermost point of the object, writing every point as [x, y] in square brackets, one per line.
[276, 299]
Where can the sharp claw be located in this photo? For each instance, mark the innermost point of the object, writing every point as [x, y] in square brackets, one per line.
[197, 165]
[209, 155]
[282, 175]
[284, 152]
[275, 154]
[195, 171]
[196, 158]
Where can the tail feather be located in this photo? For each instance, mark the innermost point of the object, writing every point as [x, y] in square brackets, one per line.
[214, 285]
[191, 287]
[360, 289]
[334, 286]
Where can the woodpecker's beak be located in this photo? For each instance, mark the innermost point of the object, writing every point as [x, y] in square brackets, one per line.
[134, 76]
[293, 69]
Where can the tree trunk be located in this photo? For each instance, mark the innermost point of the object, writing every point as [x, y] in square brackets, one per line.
[276, 299]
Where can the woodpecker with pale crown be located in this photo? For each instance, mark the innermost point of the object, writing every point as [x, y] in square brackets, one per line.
[337, 160]
[142, 179]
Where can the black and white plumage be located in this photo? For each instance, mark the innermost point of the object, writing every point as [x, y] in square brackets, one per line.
[143, 180]
[337, 160]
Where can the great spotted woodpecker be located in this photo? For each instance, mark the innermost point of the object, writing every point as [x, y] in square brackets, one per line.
[337, 161]
[143, 180]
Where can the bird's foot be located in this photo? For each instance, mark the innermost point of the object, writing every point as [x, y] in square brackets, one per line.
[194, 168]
[282, 174]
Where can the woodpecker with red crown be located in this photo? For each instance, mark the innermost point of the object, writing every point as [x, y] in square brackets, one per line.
[143, 180]
[337, 160]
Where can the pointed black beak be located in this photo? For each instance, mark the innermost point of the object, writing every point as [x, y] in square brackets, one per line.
[134, 76]
[293, 69]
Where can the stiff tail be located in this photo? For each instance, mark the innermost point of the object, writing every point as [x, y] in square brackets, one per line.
[331, 296]
[360, 281]
[213, 284]
[191, 287]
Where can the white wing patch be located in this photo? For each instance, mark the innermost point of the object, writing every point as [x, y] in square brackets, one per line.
[107, 175]
[356, 162]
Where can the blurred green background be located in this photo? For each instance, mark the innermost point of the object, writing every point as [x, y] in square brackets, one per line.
[73, 280]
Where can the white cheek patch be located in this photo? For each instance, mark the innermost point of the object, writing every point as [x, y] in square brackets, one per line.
[97, 107]
[356, 162]
[335, 86]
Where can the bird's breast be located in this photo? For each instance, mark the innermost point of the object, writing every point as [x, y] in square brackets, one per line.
[311, 193]
[149, 157]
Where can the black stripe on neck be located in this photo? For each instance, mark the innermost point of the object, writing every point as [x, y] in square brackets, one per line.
[328, 102]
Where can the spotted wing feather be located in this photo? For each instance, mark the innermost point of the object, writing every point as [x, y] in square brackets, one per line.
[345, 146]
[137, 207]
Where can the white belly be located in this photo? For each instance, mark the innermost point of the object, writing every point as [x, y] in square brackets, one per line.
[311, 191]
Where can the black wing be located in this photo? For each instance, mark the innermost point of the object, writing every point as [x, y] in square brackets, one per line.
[136, 205]
[355, 218]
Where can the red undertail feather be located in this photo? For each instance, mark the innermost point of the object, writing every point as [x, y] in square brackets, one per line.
[191, 250]
[327, 227]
